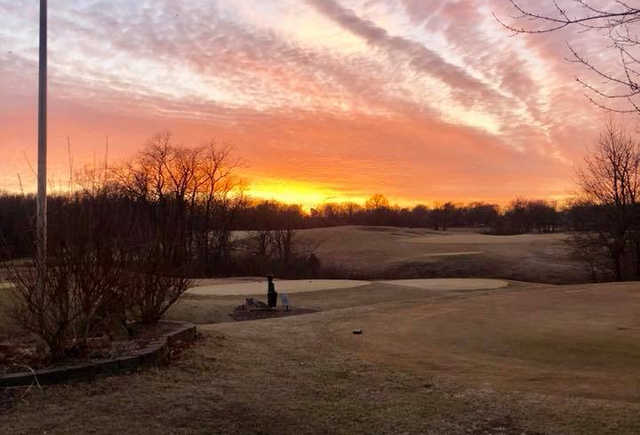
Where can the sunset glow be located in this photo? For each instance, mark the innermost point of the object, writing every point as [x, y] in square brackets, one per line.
[322, 100]
[293, 192]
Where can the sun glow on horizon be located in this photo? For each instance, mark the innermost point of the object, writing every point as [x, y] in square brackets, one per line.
[307, 195]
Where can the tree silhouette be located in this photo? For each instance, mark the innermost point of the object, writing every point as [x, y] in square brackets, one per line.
[611, 180]
[616, 22]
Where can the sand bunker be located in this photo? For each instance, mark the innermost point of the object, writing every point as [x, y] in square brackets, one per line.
[485, 239]
[452, 254]
[451, 283]
[284, 286]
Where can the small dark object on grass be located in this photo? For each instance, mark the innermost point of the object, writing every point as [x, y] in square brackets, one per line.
[357, 331]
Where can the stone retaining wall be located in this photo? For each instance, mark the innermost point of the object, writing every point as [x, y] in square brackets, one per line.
[155, 352]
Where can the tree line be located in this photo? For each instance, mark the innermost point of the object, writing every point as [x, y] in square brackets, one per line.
[148, 200]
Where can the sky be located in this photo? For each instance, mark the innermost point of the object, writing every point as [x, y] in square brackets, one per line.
[321, 100]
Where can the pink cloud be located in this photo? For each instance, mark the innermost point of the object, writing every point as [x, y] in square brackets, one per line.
[437, 102]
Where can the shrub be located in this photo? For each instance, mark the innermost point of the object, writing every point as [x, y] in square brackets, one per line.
[67, 308]
[150, 295]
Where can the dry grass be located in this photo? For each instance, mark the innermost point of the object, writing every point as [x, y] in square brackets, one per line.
[539, 359]
[390, 252]
[567, 340]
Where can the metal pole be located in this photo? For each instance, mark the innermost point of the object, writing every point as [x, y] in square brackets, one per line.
[41, 208]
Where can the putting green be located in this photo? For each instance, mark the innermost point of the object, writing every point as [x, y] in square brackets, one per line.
[284, 286]
[451, 283]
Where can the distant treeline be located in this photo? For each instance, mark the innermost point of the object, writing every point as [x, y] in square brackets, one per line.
[218, 216]
[521, 216]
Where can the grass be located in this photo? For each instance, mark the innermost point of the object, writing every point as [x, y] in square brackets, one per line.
[396, 253]
[542, 341]
[529, 358]
[536, 359]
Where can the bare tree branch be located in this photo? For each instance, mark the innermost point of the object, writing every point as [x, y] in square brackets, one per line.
[617, 22]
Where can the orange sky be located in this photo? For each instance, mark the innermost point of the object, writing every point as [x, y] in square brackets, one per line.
[323, 100]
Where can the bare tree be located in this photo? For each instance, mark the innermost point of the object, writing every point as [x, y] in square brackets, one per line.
[377, 201]
[219, 205]
[191, 195]
[615, 21]
[611, 180]
[378, 209]
[441, 215]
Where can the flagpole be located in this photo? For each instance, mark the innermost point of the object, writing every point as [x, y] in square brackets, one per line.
[41, 207]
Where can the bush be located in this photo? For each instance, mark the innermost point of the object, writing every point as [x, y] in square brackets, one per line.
[99, 277]
[150, 295]
[68, 307]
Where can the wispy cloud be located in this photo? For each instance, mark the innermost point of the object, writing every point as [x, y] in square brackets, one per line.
[419, 99]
